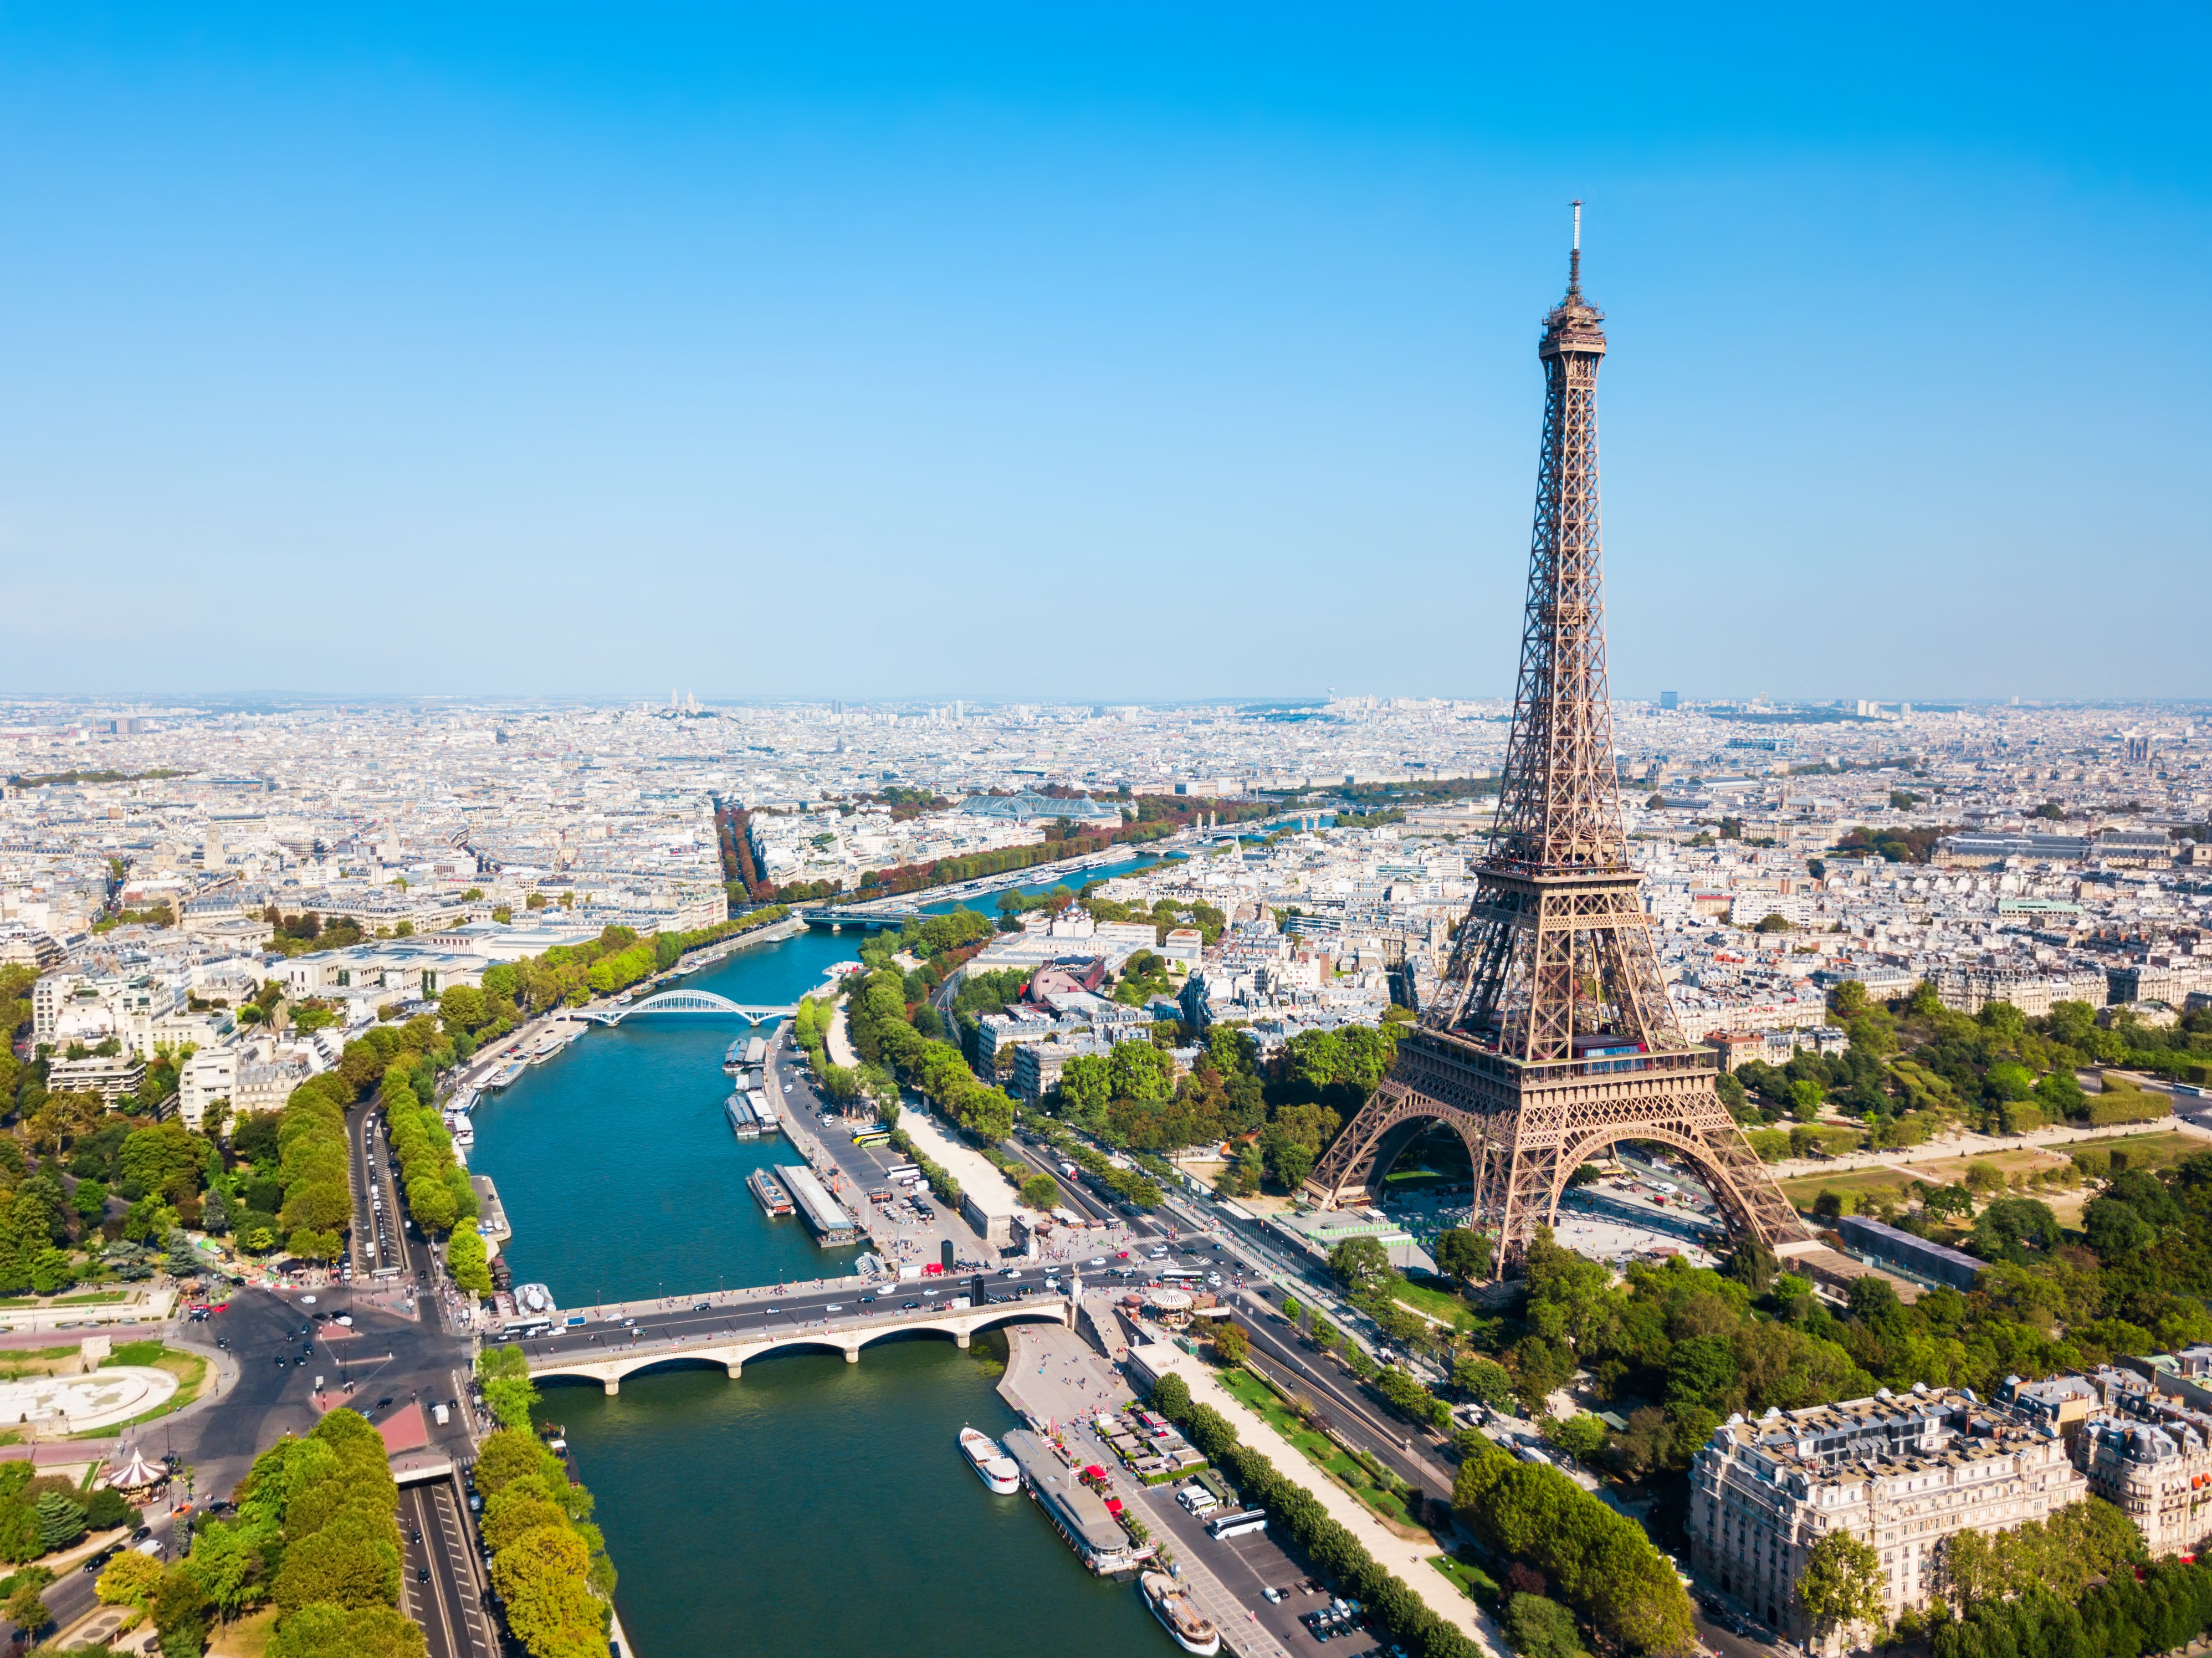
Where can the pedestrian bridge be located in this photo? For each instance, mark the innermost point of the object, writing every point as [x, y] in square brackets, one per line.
[687, 1001]
[608, 1366]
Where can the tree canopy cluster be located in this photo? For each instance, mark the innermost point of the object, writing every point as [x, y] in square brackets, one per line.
[317, 1532]
[879, 1016]
[2164, 1610]
[1599, 1559]
[41, 1514]
[549, 1562]
[436, 1186]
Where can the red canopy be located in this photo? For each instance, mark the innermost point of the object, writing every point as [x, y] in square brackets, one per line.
[1095, 1472]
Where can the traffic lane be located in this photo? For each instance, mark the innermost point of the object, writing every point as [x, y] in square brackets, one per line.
[424, 1595]
[383, 1354]
[439, 1571]
[1353, 1415]
[795, 1314]
[74, 1595]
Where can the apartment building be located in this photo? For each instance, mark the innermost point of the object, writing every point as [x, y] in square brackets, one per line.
[1903, 1473]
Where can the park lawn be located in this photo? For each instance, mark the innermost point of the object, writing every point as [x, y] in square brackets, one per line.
[1951, 1171]
[36, 1361]
[1346, 1470]
[1438, 1304]
[1473, 1581]
[94, 1298]
[248, 1637]
[1801, 1189]
[2151, 1150]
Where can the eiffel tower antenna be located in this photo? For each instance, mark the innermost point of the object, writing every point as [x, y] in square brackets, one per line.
[1551, 1037]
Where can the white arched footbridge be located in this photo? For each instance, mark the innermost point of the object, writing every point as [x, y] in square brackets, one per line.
[688, 1001]
[608, 1367]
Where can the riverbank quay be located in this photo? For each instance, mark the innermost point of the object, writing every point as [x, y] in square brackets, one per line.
[1058, 1383]
[1408, 1560]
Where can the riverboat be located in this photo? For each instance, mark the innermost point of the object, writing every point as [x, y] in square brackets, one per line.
[992, 1464]
[1171, 1603]
[733, 1058]
[764, 1113]
[743, 1123]
[769, 1192]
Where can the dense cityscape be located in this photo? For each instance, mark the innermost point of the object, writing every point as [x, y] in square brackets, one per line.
[1926, 948]
[803, 849]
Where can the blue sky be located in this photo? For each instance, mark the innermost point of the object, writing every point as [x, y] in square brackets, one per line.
[1110, 352]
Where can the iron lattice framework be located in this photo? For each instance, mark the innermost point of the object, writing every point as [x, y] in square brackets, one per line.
[1552, 1038]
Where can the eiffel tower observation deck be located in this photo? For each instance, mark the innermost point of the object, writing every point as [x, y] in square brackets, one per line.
[1552, 1037]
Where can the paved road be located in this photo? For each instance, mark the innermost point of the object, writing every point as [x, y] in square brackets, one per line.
[380, 1226]
[441, 1585]
[72, 1595]
[795, 1313]
[387, 1356]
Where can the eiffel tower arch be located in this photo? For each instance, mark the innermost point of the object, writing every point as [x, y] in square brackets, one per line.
[1552, 1038]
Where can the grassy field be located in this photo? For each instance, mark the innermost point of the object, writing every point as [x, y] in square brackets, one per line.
[2150, 1150]
[1340, 1465]
[23, 1362]
[248, 1637]
[91, 1298]
[1803, 1189]
[1952, 1171]
[1439, 1304]
[1473, 1581]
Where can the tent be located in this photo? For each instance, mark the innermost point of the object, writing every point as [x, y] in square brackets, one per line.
[134, 1472]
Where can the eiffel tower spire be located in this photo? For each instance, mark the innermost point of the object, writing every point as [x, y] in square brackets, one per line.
[1552, 1036]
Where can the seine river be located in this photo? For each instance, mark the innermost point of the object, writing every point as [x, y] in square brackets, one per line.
[813, 1506]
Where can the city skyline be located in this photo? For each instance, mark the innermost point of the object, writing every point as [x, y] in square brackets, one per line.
[782, 354]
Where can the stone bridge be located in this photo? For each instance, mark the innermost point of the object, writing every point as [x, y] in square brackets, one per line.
[608, 1367]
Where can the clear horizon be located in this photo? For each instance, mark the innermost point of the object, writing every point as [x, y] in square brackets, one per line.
[567, 355]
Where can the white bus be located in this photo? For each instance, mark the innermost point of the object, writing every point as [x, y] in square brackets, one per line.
[1223, 1526]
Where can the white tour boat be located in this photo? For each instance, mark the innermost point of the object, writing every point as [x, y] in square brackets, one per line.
[992, 1464]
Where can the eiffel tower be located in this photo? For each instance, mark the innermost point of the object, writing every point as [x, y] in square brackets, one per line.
[1552, 1038]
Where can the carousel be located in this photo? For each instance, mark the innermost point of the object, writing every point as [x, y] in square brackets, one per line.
[135, 1474]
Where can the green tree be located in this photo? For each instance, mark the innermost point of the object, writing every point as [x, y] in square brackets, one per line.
[1541, 1628]
[1040, 1191]
[542, 1577]
[131, 1579]
[26, 1608]
[1483, 1380]
[507, 1388]
[322, 1632]
[1229, 1341]
[61, 1520]
[19, 1533]
[350, 1562]
[1462, 1255]
[1361, 1265]
[469, 1263]
[1841, 1585]
[180, 1612]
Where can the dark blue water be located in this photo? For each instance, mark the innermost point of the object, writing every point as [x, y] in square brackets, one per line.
[616, 1168]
